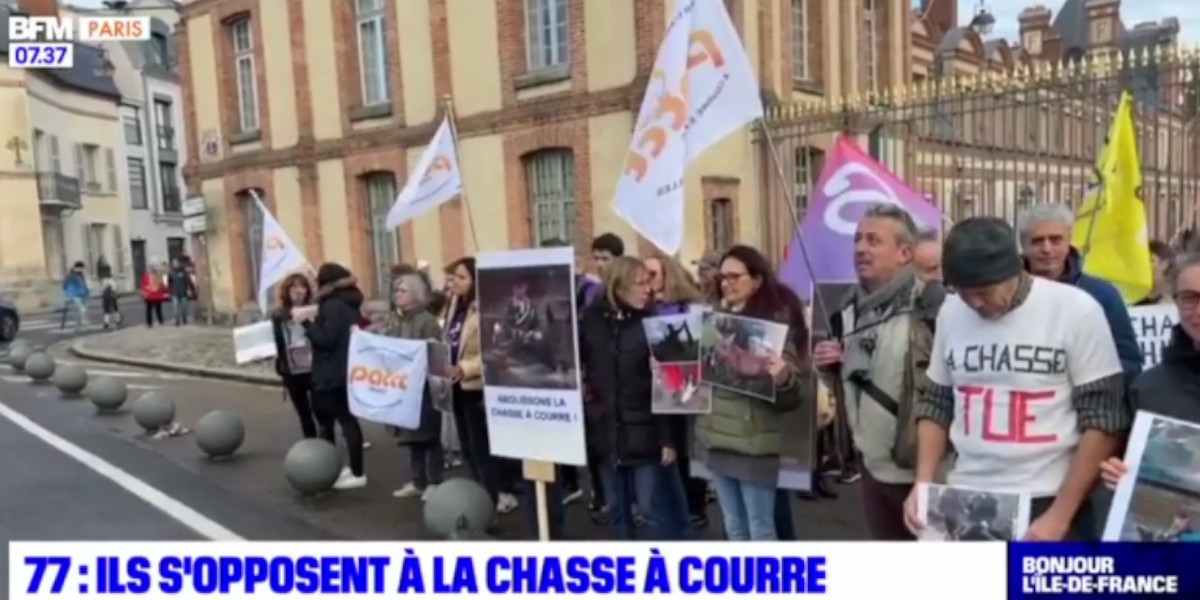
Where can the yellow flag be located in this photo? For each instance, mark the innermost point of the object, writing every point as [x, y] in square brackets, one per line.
[1110, 231]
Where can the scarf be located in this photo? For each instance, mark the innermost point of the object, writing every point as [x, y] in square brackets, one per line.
[872, 309]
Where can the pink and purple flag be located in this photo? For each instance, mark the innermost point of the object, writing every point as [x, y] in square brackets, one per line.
[850, 183]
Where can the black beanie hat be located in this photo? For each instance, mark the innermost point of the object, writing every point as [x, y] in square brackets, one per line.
[331, 273]
[980, 251]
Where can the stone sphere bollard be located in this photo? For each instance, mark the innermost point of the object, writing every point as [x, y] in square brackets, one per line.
[459, 508]
[18, 356]
[220, 433]
[107, 393]
[39, 366]
[70, 380]
[153, 411]
[312, 465]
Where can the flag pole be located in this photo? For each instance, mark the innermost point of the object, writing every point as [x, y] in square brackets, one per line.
[458, 159]
[818, 301]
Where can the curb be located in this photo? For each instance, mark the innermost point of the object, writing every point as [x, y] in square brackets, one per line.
[78, 350]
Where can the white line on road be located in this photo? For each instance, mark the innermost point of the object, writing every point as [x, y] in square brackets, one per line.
[152, 496]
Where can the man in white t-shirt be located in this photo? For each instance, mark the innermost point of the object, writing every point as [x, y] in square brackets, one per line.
[1026, 384]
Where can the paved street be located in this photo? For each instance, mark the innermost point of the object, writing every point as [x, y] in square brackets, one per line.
[62, 498]
[44, 328]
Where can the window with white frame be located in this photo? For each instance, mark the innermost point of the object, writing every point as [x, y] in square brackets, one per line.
[137, 184]
[546, 35]
[870, 43]
[807, 165]
[800, 40]
[171, 202]
[247, 83]
[372, 53]
[550, 178]
[381, 192]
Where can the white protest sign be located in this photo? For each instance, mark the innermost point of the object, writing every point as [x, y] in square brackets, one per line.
[386, 378]
[254, 342]
[530, 355]
[1152, 326]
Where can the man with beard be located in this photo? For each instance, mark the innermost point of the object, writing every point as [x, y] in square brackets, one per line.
[1025, 382]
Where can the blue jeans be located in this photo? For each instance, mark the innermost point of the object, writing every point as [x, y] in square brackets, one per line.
[748, 509]
[659, 494]
[182, 307]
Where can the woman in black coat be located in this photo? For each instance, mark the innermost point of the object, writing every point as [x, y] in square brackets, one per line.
[639, 450]
[338, 311]
[293, 351]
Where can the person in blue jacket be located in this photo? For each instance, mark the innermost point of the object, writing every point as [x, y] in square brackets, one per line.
[1046, 242]
[76, 293]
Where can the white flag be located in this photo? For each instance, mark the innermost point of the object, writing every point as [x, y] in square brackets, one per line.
[435, 180]
[385, 378]
[701, 89]
[280, 257]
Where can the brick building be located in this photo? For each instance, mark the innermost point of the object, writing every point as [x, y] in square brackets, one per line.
[324, 106]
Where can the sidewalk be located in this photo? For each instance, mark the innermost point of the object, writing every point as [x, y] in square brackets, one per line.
[192, 349]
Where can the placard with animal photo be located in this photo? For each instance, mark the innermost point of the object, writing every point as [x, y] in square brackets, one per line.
[956, 513]
[1158, 500]
[735, 352]
[674, 338]
[530, 354]
[677, 389]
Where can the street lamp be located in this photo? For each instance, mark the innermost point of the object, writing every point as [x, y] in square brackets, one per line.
[983, 21]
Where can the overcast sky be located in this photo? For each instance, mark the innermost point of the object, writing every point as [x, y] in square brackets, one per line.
[1132, 13]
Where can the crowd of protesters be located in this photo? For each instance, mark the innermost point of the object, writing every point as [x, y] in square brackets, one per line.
[915, 357]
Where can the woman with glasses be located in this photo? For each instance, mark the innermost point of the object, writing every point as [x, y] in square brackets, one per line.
[638, 449]
[743, 434]
[1172, 388]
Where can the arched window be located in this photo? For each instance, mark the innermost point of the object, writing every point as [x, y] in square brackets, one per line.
[381, 192]
[253, 220]
[550, 180]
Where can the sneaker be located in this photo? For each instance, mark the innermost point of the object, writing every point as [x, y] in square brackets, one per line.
[851, 477]
[351, 483]
[506, 504]
[572, 496]
[428, 493]
[345, 474]
[410, 490]
[366, 445]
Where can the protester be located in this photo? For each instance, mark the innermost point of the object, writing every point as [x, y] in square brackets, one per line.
[1046, 240]
[109, 304]
[76, 294]
[409, 318]
[1160, 259]
[328, 326]
[707, 270]
[877, 360]
[182, 290]
[743, 436]
[462, 334]
[1034, 355]
[673, 292]
[927, 257]
[154, 293]
[293, 351]
[638, 447]
[1172, 388]
[605, 248]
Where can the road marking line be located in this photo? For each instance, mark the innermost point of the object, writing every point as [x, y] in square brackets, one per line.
[152, 496]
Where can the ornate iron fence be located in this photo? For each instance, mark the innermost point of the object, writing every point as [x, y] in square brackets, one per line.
[994, 142]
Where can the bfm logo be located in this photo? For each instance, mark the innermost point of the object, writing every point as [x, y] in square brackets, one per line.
[440, 163]
[379, 378]
[84, 29]
[653, 140]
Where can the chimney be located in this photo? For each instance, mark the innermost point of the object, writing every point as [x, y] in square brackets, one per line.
[1104, 24]
[39, 8]
[1035, 28]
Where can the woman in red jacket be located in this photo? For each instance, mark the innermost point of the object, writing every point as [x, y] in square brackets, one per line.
[154, 293]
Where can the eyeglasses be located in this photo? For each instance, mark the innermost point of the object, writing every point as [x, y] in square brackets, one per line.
[730, 277]
[1187, 300]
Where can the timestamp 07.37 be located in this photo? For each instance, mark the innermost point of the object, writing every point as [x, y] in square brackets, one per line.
[37, 55]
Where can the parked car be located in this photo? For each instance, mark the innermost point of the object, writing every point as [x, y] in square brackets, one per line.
[10, 320]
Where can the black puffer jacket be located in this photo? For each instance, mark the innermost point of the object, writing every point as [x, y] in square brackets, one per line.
[340, 309]
[1173, 387]
[617, 360]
